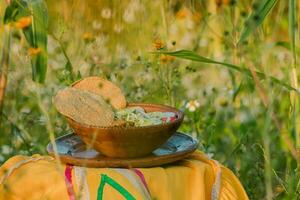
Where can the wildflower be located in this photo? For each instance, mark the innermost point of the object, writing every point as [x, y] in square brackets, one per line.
[6, 149]
[34, 51]
[182, 13]
[203, 43]
[96, 25]
[129, 16]
[118, 28]
[164, 59]
[190, 24]
[218, 2]
[210, 155]
[106, 13]
[23, 22]
[158, 44]
[196, 17]
[279, 189]
[223, 102]
[88, 37]
[192, 105]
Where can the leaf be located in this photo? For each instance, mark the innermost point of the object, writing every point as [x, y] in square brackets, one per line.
[256, 18]
[68, 65]
[4, 65]
[190, 55]
[10, 13]
[79, 76]
[292, 27]
[283, 44]
[35, 34]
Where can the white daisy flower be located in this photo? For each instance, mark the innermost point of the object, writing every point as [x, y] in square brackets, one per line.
[6, 149]
[192, 105]
[118, 28]
[106, 13]
[129, 16]
[96, 25]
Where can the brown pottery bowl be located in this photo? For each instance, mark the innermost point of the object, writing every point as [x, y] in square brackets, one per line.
[129, 142]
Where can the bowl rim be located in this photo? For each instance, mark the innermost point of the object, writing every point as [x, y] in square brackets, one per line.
[178, 112]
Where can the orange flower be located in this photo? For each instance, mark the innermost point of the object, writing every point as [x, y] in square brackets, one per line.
[218, 2]
[164, 59]
[223, 2]
[88, 37]
[196, 17]
[23, 22]
[34, 51]
[182, 13]
[226, 2]
[158, 44]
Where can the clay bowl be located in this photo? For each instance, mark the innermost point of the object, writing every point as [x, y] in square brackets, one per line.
[129, 142]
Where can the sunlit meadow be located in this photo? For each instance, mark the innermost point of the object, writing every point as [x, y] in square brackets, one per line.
[246, 120]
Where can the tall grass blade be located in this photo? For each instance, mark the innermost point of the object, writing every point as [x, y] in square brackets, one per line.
[294, 78]
[292, 27]
[35, 34]
[256, 18]
[4, 65]
[190, 55]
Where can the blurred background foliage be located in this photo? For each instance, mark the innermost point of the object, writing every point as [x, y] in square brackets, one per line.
[248, 125]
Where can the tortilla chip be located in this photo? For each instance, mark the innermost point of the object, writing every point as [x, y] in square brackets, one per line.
[84, 107]
[109, 91]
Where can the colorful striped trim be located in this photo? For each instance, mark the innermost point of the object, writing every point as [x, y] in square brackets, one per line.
[217, 184]
[68, 180]
[106, 179]
[135, 180]
[142, 178]
[83, 188]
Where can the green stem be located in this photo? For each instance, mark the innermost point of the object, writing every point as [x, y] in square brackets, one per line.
[49, 126]
[294, 78]
[4, 65]
[69, 66]
[268, 165]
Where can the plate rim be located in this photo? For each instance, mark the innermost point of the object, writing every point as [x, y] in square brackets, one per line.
[126, 162]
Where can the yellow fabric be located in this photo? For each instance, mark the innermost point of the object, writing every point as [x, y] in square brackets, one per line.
[40, 177]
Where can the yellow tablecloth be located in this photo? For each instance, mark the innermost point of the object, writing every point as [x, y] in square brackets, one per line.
[41, 177]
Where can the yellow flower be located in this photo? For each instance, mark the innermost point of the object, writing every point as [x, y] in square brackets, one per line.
[88, 37]
[197, 17]
[192, 105]
[164, 59]
[182, 13]
[118, 28]
[23, 22]
[34, 51]
[158, 44]
[223, 2]
[227, 2]
[223, 102]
